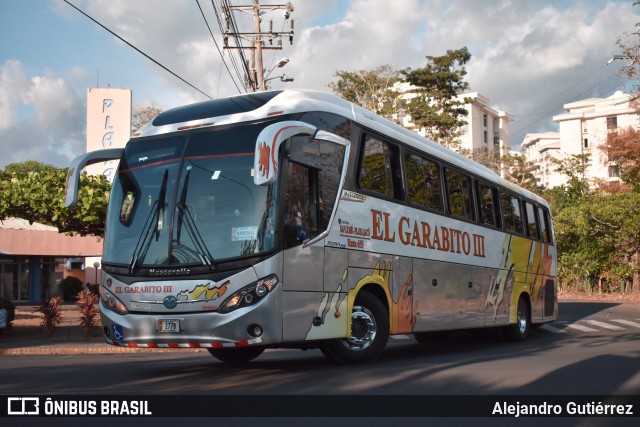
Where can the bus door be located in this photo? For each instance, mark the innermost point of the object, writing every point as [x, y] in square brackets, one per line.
[311, 176]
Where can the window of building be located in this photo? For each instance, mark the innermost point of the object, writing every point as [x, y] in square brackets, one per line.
[612, 122]
[423, 182]
[459, 194]
[614, 172]
[586, 143]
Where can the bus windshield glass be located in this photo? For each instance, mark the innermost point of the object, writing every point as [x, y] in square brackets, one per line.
[189, 200]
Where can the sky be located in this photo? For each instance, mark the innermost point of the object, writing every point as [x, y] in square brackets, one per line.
[529, 57]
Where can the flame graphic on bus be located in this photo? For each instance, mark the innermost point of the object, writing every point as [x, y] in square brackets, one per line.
[207, 289]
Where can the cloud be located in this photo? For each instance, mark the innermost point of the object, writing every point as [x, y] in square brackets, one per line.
[528, 57]
[13, 83]
[54, 132]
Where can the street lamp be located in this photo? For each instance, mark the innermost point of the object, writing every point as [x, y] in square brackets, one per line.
[279, 64]
[96, 265]
[614, 57]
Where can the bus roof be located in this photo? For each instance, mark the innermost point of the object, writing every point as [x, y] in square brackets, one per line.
[255, 106]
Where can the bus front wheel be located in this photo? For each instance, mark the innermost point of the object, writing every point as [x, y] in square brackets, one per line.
[236, 354]
[369, 333]
[519, 330]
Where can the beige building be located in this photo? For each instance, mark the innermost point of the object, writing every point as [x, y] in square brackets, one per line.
[583, 129]
[487, 128]
[34, 258]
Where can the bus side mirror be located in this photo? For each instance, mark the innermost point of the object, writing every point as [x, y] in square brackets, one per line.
[265, 161]
[79, 163]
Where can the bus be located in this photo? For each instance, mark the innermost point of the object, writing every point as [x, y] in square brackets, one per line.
[294, 218]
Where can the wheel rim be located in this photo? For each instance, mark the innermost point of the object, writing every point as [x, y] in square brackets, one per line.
[363, 329]
[522, 320]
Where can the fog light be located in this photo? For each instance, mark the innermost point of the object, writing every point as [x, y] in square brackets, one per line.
[255, 330]
[107, 332]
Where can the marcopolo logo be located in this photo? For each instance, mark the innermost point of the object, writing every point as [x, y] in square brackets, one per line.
[170, 302]
[23, 406]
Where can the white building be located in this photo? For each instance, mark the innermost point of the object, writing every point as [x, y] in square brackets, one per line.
[487, 128]
[538, 148]
[583, 129]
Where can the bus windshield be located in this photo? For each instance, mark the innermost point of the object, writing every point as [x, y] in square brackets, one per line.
[189, 200]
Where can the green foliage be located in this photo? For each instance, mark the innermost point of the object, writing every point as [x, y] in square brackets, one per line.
[436, 107]
[86, 302]
[35, 192]
[370, 89]
[11, 310]
[51, 310]
[70, 287]
[598, 237]
[516, 171]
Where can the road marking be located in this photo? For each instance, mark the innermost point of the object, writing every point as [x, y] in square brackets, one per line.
[626, 322]
[605, 325]
[581, 328]
[553, 329]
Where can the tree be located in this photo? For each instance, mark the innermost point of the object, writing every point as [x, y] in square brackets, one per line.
[35, 192]
[370, 89]
[623, 147]
[436, 107]
[516, 170]
[142, 116]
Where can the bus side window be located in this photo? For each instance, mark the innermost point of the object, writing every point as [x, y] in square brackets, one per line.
[379, 168]
[545, 228]
[423, 182]
[511, 213]
[459, 194]
[532, 221]
[487, 204]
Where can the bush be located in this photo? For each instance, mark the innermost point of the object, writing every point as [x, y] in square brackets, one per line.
[11, 310]
[52, 314]
[70, 288]
[86, 302]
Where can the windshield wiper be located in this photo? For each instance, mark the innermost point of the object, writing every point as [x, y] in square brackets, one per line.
[157, 211]
[184, 217]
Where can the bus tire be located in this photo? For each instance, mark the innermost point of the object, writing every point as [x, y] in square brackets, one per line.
[236, 354]
[519, 330]
[369, 333]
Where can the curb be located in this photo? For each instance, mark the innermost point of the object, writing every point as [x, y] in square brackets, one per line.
[99, 349]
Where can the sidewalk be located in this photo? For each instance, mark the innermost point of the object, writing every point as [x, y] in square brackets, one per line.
[26, 338]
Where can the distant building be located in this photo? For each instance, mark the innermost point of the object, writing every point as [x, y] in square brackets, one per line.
[539, 148]
[487, 128]
[34, 258]
[583, 129]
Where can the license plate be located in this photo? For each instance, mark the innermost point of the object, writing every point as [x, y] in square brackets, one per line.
[169, 325]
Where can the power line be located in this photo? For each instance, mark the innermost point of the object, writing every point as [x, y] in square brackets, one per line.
[217, 47]
[138, 50]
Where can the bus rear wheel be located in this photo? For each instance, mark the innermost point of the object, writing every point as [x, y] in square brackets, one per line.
[236, 354]
[519, 330]
[369, 333]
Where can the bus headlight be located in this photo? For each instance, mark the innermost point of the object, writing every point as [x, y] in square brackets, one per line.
[249, 295]
[111, 302]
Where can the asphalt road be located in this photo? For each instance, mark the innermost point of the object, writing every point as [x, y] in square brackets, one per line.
[593, 349]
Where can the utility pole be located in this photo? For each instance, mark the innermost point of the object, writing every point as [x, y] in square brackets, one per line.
[256, 39]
